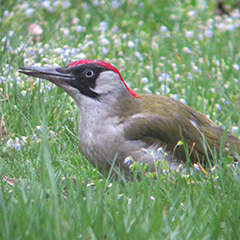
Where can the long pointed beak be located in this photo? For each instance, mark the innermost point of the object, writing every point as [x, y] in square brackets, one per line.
[55, 75]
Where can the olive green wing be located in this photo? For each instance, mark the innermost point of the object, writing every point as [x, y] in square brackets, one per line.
[168, 121]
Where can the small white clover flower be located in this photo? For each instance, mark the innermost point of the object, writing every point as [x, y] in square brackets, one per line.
[144, 80]
[236, 66]
[131, 44]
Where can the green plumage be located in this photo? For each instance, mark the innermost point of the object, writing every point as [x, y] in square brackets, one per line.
[167, 121]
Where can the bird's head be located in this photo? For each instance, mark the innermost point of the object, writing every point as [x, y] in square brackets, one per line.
[91, 78]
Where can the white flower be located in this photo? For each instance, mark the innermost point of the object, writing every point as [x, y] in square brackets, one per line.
[191, 13]
[105, 51]
[139, 56]
[208, 33]
[189, 34]
[103, 26]
[187, 50]
[234, 129]
[104, 41]
[236, 66]
[46, 4]
[163, 28]
[230, 27]
[79, 28]
[131, 44]
[144, 80]
[195, 68]
[29, 12]
[58, 50]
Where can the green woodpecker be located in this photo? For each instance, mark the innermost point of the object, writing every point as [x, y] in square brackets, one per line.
[117, 124]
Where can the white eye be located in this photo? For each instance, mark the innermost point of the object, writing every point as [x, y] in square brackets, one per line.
[88, 73]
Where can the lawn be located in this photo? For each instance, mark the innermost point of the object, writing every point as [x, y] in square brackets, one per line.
[180, 49]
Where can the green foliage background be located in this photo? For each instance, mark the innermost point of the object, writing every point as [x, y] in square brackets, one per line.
[181, 49]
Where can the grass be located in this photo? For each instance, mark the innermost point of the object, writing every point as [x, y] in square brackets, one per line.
[179, 49]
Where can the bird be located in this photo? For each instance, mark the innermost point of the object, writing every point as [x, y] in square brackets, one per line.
[119, 126]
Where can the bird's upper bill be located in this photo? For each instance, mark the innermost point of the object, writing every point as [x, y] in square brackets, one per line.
[52, 74]
[65, 74]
